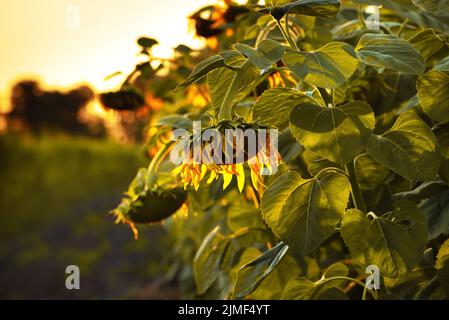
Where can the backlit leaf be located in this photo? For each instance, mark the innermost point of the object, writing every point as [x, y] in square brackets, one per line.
[274, 105]
[327, 67]
[394, 242]
[391, 52]
[267, 53]
[433, 93]
[409, 148]
[251, 274]
[335, 134]
[206, 263]
[304, 212]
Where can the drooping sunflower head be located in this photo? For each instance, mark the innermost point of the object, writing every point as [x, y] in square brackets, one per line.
[147, 206]
[225, 150]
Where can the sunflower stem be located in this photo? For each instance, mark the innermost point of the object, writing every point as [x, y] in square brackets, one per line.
[356, 193]
[155, 163]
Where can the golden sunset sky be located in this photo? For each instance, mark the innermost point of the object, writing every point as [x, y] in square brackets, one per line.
[44, 39]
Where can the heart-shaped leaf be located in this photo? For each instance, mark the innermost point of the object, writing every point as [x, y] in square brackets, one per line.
[433, 94]
[394, 242]
[267, 53]
[327, 67]
[274, 105]
[304, 212]
[384, 50]
[335, 134]
[409, 148]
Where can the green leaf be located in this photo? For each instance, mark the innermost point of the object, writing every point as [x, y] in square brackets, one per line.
[327, 67]
[267, 53]
[433, 93]
[436, 210]
[414, 285]
[252, 274]
[240, 216]
[335, 134]
[304, 212]
[233, 58]
[442, 266]
[274, 105]
[433, 200]
[383, 50]
[394, 242]
[316, 8]
[436, 6]
[442, 65]
[206, 264]
[428, 42]
[304, 289]
[225, 84]
[409, 148]
[370, 173]
[202, 70]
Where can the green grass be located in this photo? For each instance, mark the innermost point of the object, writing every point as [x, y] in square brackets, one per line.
[55, 195]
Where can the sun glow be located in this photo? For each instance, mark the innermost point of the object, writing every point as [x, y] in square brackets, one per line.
[64, 46]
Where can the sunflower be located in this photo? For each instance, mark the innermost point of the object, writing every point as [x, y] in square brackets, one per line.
[258, 163]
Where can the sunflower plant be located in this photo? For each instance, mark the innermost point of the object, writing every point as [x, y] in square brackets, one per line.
[358, 207]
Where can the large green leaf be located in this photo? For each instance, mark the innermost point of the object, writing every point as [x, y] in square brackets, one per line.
[394, 242]
[437, 6]
[304, 212]
[272, 285]
[274, 105]
[224, 84]
[327, 67]
[433, 200]
[433, 93]
[304, 289]
[252, 274]
[428, 42]
[391, 52]
[415, 284]
[206, 264]
[267, 53]
[409, 148]
[370, 173]
[442, 266]
[335, 133]
[316, 8]
[202, 70]
[436, 210]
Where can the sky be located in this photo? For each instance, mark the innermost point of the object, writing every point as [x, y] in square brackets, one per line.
[69, 42]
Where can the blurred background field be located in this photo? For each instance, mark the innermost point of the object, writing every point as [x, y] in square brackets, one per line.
[55, 195]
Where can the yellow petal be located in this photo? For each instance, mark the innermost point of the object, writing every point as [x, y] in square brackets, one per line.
[203, 171]
[212, 177]
[240, 176]
[227, 178]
